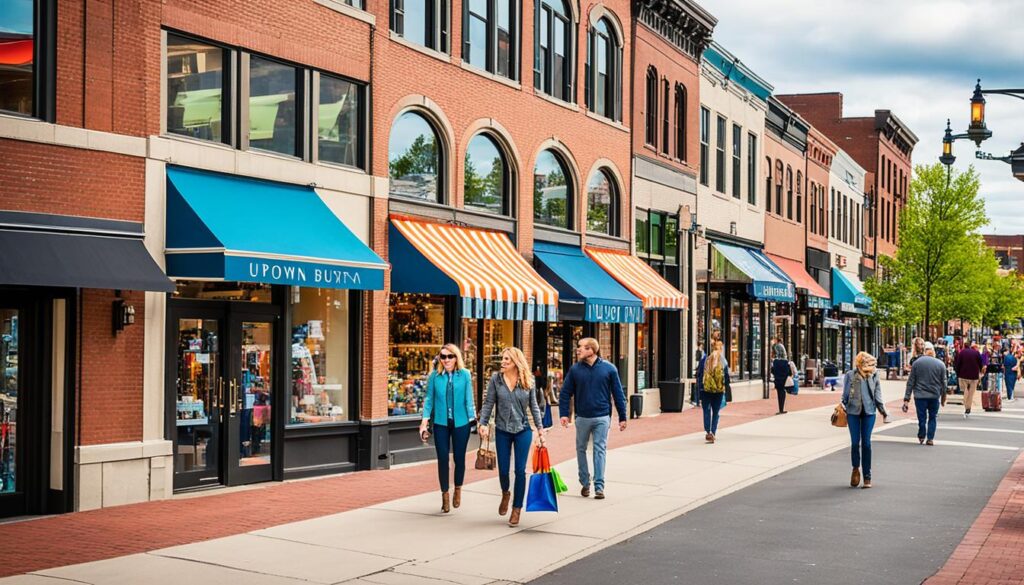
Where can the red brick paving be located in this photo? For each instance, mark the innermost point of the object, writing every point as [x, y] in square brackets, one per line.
[111, 532]
[992, 551]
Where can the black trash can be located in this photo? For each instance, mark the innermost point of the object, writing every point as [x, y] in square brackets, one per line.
[636, 405]
[672, 395]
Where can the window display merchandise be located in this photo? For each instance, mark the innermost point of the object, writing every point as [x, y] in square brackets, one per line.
[497, 335]
[8, 400]
[198, 415]
[320, 356]
[416, 332]
[256, 394]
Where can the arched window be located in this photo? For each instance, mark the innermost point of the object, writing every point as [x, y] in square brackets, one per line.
[490, 35]
[602, 204]
[604, 71]
[778, 187]
[680, 121]
[799, 197]
[486, 181]
[651, 115]
[424, 22]
[789, 192]
[552, 192]
[415, 160]
[553, 55]
[768, 185]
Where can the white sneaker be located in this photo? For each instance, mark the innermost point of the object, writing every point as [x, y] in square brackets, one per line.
[966, 414]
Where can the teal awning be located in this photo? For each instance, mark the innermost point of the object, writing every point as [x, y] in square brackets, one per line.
[234, 228]
[581, 282]
[768, 282]
[848, 294]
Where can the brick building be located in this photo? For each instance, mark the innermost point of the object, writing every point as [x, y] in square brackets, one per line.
[1008, 249]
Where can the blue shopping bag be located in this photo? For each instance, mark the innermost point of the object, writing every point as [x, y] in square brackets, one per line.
[540, 497]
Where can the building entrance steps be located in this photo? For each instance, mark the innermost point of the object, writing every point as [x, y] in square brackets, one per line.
[386, 526]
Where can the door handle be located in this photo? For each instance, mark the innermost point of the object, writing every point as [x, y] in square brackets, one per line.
[234, 397]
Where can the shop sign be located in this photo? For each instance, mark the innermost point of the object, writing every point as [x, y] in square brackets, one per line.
[817, 303]
[607, 313]
[862, 300]
[302, 273]
[773, 291]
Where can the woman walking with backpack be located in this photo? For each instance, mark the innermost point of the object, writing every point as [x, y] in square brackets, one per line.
[862, 399]
[712, 379]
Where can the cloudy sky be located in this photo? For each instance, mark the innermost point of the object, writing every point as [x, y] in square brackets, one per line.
[918, 58]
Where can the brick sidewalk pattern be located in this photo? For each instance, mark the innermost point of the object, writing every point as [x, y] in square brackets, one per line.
[992, 551]
[81, 537]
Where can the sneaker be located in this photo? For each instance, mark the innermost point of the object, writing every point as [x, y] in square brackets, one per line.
[930, 442]
[585, 492]
[599, 494]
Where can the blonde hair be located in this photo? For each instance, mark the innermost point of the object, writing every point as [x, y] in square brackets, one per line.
[715, 359]
[519, 361]
[459, 363]
[865, 363]
[918, 346]
[591, 343]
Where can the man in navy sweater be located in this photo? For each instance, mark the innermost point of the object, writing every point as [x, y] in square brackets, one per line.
[593, 382]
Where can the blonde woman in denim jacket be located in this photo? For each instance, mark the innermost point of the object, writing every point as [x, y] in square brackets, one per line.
[862, 398]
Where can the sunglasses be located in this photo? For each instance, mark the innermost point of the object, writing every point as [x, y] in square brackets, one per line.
[446, 356]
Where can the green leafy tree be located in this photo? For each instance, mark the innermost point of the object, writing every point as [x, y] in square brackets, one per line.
[419, 158]
[1005, 294]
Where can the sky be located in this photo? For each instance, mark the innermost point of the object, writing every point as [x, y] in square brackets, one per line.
[918, 58]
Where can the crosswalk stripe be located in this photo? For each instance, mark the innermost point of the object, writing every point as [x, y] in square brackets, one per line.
[913, 441]
[999, 415]
[956, 428]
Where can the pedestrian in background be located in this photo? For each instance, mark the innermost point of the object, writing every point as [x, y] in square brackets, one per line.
[780, 372]
[594, 384]
[510, 396]
[1011, 369]
[927, 383]
[713, 378]
[969, 368]
[994, 368]
[449, 407]
[699, 356]
[916, 350]
[862, 399]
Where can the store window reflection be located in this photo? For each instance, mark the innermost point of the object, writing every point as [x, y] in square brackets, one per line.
[9, 400]
[416, 328]
[320, 356]
[485, 180]
[273, 113]
[338, 122]
[195, 89]
[552, 192]
[414, 158]
[17, 56]
[601, 204]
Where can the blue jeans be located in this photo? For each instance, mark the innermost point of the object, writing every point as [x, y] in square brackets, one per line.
[927, 417]
[598, 428]
[451, 440]
[1011, 382]
[503, 445]
[712, 403]
[861, 426]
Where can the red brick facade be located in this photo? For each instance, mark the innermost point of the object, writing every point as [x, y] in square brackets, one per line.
[783, 233]
[820, 152]
[1009, 250]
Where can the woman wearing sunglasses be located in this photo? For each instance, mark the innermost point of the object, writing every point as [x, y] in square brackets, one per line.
[449, 406]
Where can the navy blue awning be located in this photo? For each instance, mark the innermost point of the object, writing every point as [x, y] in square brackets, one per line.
[235, 228]
[581, 281]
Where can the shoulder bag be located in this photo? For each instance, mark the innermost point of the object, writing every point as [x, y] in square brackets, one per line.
[839, 416]
[486, 458]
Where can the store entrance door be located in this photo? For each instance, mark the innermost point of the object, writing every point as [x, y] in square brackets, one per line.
[223, 379]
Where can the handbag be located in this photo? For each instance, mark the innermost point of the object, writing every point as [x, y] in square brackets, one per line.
[486, 458]
[839, 416]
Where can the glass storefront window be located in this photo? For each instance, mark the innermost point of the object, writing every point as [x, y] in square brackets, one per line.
[338, 122]
[320, 356]
[735, 331]
[483, 359]
[9, 400]
[273, 112]
[657, 234]
[756, 340]
[18, 43]
[643, 232]
[672, 240]
[557, 365]
[197, 396]
[256, 394]
[643, 352]
[416, 329]
[195, 88]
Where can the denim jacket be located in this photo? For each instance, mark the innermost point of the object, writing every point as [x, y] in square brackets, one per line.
[867, 400]
[510, 407]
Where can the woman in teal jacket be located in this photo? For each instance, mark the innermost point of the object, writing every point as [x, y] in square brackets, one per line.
[449, 406]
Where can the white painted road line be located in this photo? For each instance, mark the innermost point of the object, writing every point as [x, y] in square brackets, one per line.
[940, 442]
[979, 429]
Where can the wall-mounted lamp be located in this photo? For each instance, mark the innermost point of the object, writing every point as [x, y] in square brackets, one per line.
[122, 314]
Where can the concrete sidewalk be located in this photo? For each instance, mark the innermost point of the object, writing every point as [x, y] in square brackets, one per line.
[408, 541]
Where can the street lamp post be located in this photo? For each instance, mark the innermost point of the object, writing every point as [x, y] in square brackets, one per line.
[978, 131]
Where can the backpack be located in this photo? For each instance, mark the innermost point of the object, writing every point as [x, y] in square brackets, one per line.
[714, 380]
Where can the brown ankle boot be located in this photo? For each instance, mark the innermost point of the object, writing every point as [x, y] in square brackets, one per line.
[457, 497]
[855, 477]
[513, 520]
[503, 506]
[445, 503]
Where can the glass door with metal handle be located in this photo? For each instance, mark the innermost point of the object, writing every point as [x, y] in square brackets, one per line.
[251, 397]
[199, 401]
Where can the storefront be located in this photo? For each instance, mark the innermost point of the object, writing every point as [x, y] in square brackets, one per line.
[803, 319]
[65, 284]
[452, 284]
[852, 307]
[740, 282]
[590, 304]
[263, 331]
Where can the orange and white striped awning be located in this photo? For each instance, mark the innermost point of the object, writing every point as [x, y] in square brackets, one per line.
[494, 280]
[639, 278]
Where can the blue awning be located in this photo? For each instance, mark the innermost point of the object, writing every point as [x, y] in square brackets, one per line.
[848, 294]
[768, 281]
[580, 281]
[234, 228]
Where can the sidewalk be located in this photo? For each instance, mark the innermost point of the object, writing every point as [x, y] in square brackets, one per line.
[383, 527]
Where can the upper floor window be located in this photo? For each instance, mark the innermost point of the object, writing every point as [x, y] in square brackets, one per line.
[705, 139]
[604, 71]
[196, 98]
[339, 122]
[789, 192]
[681, 121]
[651, 104]
[813, 215]
[490, 34]
[778, 187]
[553, 56]
[424, 22]
[24, 81]
[799, 197]
[737, 152]
[664, 116]
[602, 204]
[486, 182]
[274, 110]
[415, 159]
[752, 169]
[768, 185]
[720, 155]
[552, 192]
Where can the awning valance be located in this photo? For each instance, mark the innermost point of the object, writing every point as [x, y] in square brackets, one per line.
[481, 266]
[767, 281]
[639, 278]
[817, 296]
[596, 296]
[848, 294]
[234, 228]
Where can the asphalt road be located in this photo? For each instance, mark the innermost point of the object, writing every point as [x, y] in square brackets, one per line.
[808, 525]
